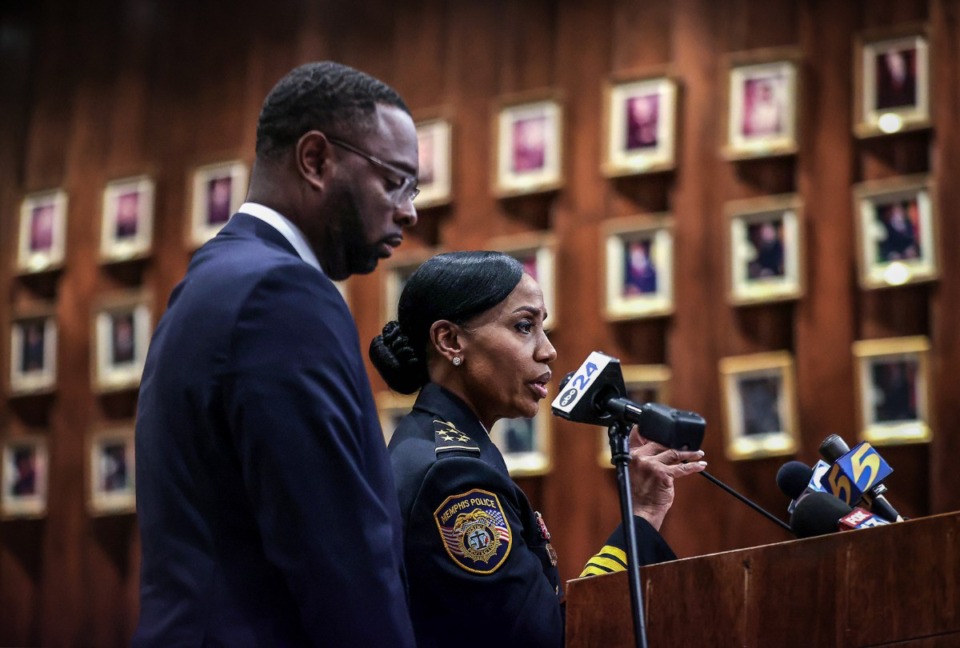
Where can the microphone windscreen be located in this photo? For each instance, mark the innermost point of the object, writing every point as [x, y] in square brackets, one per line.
[817, 514]
[833, 447]
[793, 477]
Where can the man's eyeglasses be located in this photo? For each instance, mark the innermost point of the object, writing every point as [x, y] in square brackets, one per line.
[406, 188]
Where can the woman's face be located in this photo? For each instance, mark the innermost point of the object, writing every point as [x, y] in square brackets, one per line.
[507, 355]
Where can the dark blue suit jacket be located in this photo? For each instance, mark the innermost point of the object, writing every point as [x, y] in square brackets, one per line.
[267, 508]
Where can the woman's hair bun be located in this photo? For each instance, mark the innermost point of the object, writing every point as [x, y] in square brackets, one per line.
[395, 359]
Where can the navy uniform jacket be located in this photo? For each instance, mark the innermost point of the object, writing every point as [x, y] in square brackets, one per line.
[478, 559]
[267, 509]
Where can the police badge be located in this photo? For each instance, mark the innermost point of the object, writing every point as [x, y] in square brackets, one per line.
[474, 530]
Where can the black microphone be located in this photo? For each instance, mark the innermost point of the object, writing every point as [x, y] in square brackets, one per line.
[796, 480]
[832, 449]
[818, 514]
[596, 394]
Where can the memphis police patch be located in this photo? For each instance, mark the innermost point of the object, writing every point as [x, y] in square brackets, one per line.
[474, 530]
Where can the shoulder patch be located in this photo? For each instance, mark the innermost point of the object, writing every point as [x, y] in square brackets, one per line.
[474, 531]
[449, 439]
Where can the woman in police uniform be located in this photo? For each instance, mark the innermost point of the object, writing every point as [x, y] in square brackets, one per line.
[479, 563]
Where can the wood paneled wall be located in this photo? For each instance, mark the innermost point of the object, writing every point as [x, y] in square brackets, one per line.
[97, 90]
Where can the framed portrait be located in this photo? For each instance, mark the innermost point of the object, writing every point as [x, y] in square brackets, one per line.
[43, 232]
[24, 475]
[33, 352]
[392, 407]
[638, 267]
[762, 101]
[528, 131]
[218, 192]
[121, 333]
[765, 240]
[893, 390]
[396, 270]
[896, 232]
[640, 116]
[435, 141]
[891, 81]
[111, 472]
[645, 384]
[759, 402]
[126, 226]
[537, 253]
[525, 443]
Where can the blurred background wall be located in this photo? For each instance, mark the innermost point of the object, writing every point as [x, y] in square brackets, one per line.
[107, 89]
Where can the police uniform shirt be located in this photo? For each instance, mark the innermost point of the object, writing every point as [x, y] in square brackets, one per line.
[479, 564]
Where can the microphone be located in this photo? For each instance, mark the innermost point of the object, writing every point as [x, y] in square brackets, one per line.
[796, 480]
[821, 513]
[596, 394]
[856, 475]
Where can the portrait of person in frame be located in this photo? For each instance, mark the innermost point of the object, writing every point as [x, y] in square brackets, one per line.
[896, 77]
[529, 143]
[112, 472]
[894, 385]
[219, 192]
[41, 227]
[32, 345]
[643, 119]
[764, 110]
[639, 273]
[766, 238]
[759, 402]
[899, 221]
[123, 337]
[128, 215]
[33, 353]
[426, 155]
[518, 435]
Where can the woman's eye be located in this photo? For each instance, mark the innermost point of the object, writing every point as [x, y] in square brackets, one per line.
[525, 326]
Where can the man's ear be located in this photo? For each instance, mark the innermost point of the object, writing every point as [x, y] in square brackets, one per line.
[313, 158]
[447, 339]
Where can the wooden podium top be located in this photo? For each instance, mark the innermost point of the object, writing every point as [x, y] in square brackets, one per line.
[891, 585]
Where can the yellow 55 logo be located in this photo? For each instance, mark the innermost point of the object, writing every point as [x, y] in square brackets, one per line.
[864, 465]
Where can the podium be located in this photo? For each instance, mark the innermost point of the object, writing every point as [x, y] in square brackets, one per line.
[895, 585]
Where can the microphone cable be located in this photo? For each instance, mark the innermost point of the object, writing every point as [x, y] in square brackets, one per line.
[755, 507]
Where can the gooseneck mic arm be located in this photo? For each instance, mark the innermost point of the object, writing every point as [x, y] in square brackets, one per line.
[618, 434]
[755, 507]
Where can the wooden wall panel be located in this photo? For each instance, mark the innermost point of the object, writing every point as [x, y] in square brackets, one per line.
[124, 87]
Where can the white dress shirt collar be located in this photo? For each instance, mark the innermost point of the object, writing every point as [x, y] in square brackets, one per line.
[283, 225]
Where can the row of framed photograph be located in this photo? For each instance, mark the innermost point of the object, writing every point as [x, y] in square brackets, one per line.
[759, 404]
[762, 109]
[896, 245]
[120, 334]
[109, 472]
[126, 224]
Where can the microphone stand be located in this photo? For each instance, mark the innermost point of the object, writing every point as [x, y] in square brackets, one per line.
[618, 434]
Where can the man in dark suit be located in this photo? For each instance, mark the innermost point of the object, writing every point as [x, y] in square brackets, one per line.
[267, 508]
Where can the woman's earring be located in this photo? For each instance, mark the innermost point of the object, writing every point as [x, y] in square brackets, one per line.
[457, 361]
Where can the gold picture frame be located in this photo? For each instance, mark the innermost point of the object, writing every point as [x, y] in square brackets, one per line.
[121, 331]
[892, 89]
[640, 124]
[893, 390]
[126, 223]
[111, 471]
[759, 404]
[637, 253]
[764, 250]
[762, 107]
[42, 238]
[435, 146]
[217, 191]
[24, 477]
[528, 144]
[896, 229]
[33, 350]
[537, 252]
